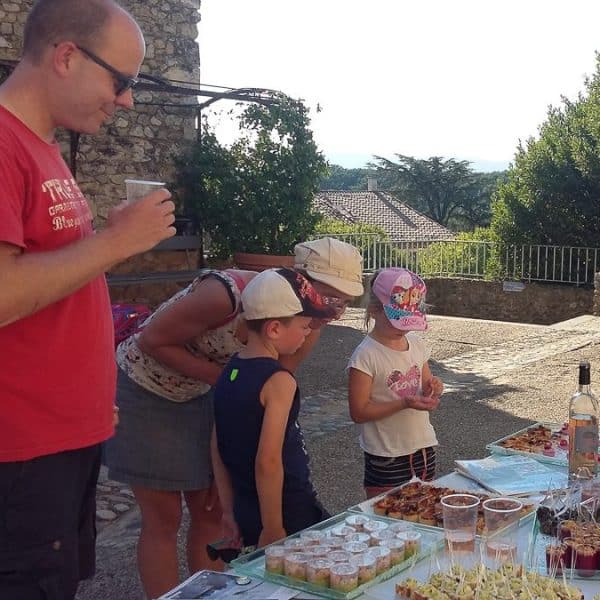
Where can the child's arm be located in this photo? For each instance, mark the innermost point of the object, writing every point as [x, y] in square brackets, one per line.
[363, 409]
[225, 491]
[276, 396]
[431, 386]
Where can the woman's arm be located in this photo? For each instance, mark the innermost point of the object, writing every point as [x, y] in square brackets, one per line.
[164, 338]
[277, 396]
[363, 409]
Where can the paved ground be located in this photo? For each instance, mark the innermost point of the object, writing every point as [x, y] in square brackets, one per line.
[499, 377]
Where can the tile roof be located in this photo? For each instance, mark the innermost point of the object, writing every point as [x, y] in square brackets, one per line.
[400, 221]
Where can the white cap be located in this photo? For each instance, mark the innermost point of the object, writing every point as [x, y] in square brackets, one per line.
[276, 293]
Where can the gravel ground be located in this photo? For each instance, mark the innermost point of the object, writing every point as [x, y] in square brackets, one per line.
[467, 420]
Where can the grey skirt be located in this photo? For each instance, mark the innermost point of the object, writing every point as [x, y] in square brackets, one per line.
[160, 444]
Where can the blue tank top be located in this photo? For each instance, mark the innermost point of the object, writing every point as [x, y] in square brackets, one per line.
[238, 421]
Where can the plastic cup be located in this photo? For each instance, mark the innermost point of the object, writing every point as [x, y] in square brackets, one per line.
[137, 188]
[318, 571]
[501, 523]
[460, 521]
[343, 577]
[274, 559]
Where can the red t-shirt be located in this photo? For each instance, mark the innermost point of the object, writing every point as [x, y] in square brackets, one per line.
[57, 368]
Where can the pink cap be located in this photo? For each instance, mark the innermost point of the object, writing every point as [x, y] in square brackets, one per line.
[402, 294]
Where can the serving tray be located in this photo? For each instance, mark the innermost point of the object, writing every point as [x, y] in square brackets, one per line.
[368, 506]
[536, 557]
[253, 564]
[561, 454]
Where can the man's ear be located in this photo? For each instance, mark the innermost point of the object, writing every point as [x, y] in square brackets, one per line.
[62, 57]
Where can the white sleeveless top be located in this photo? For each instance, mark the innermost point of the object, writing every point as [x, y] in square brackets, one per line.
[216, 344]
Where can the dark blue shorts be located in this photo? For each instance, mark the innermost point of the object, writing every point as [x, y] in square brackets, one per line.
[47, 524]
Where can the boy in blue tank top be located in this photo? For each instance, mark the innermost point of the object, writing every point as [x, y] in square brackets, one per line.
[259, 458]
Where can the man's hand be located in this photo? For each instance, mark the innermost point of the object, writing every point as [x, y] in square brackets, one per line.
[140, 225]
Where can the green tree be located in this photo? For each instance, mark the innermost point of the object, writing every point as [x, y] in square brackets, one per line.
[255, 196]
[340, 178]
[446, 190]
[552, 192]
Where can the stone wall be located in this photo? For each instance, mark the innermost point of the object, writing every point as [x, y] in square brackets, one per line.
[154, 261]
[539, 303]
[138, 143]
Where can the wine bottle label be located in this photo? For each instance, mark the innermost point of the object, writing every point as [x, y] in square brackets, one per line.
[586, 439]
[583, 448]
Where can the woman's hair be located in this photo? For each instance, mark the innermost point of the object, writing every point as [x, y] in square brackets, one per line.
[53, 21]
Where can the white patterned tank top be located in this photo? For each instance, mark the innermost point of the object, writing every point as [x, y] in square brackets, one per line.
[216, 344]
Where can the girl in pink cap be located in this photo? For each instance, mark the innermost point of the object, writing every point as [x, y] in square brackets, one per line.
[391, 387]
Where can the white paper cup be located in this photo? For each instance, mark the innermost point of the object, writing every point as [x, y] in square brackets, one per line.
[137, 188]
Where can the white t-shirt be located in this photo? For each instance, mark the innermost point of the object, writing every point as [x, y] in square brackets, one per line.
[395, 374]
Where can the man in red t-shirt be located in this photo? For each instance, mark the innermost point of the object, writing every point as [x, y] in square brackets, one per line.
[57, 369]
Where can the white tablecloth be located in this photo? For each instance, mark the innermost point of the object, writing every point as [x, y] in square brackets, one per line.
[421, 571]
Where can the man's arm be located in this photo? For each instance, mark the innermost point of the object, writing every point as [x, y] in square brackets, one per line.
[277, 396]
[32, 281]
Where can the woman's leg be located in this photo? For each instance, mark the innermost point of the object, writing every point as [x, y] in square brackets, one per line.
[205, 527]
[157, 546]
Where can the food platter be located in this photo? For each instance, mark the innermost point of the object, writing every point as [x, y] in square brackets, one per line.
[418, 501]
[571, 553]
[544, 441]
[259, 564]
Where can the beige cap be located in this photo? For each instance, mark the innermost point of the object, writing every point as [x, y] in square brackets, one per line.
[332, 262]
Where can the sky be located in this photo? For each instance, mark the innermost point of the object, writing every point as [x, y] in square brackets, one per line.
[462, 79]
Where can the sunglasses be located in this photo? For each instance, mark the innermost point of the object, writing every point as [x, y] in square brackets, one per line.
[122, 82]
[221, 550]
[338, 303]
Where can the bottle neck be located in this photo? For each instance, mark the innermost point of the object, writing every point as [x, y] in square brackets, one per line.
[585, 388]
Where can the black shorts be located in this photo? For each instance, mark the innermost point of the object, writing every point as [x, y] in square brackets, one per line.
[47, 524]
[384, 471]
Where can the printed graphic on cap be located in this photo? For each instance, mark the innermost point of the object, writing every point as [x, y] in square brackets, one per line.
[402, 294]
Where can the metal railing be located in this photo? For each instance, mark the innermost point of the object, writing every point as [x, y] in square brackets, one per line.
[478, 259]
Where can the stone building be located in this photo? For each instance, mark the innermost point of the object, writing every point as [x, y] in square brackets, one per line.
[139, 143]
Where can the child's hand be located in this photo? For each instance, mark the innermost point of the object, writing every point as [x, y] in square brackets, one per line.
[269, 536]
[434, 387]
[230, 529]
[422, 402]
